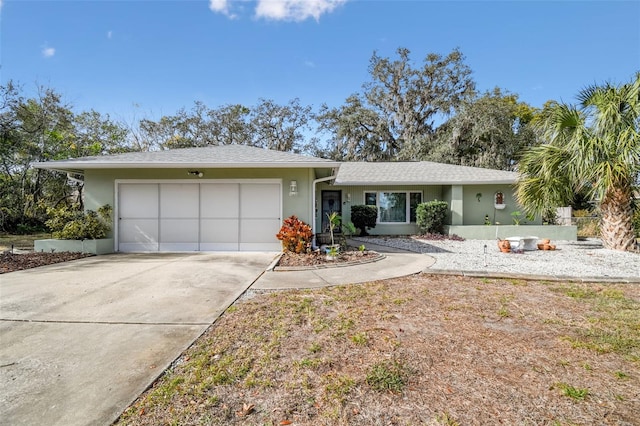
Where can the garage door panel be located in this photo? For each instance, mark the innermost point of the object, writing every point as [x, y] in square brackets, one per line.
[259, 234]
[219, 246]
[219, 200]
[178, 234]
[260, 200]
[138, 201]
[179, 200]
[219, 230]
[138, 235]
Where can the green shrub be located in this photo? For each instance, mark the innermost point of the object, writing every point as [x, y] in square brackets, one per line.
[70, 224]
[295, 235]
[431, 216]
[364, 217]
[349, 229]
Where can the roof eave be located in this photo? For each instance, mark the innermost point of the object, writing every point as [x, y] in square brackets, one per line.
[77, 166]
[398, 183]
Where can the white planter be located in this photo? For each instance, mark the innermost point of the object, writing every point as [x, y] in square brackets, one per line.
[101, 246]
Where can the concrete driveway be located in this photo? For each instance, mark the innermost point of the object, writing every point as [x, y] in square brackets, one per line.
[80, 340]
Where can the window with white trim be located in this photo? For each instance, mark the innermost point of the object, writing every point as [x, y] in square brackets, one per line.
[394, 206]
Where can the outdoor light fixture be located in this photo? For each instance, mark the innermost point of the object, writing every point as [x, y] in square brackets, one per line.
[195, 173]
[348, 197]
[293, 188]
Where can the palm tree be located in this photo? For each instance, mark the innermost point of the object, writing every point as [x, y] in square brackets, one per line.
[593, 147]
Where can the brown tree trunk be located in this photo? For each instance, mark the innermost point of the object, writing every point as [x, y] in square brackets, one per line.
[616, 228]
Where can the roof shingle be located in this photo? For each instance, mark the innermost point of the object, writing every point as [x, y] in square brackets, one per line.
[422, 173]
[210, 156]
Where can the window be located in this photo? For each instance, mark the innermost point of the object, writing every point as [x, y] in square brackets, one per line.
[393, 206]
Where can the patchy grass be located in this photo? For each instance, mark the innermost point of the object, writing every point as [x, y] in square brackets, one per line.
[572, 392]
[20, 242]
[389, 376]
[613, 323]
[416, 350]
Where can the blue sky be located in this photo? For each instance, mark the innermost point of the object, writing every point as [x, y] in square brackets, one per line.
[149, 58]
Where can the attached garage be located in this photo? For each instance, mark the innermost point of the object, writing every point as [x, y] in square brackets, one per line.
[211, 215]
[212, 198]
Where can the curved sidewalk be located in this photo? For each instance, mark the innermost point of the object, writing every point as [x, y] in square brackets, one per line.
[396, 263]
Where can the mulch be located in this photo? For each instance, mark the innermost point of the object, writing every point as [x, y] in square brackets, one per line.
[289, 259]
[10, 262]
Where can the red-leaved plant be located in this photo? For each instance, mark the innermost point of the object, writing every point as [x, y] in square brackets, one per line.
[295, 235]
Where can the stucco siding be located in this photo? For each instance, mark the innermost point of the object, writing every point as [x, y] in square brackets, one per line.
[354, 195]
[100, 184]
[479, 201]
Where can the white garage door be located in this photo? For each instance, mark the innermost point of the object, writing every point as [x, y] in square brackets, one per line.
[206, 216]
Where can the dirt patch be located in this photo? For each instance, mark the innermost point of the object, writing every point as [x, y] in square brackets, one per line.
[10, 262]
[414, 350]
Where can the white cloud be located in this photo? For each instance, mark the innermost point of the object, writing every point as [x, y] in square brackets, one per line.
[48, 52]
[310, 64]
[277, 10]
[109, 34]
[222, 6]
[295, 10]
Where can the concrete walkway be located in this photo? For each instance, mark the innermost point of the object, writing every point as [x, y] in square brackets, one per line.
[396, 263]
[81, 340]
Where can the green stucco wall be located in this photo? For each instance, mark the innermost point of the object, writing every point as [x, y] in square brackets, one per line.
[482, 232]
[356, 194]
[476, 208]
[466, 208]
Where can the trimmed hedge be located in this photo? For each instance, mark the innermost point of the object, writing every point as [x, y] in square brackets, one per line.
[431, 216]
[364, 217]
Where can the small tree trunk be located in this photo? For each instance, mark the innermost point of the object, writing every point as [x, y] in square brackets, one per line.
[616, 228]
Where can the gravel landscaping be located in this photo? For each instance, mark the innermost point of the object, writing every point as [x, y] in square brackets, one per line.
[578, 259]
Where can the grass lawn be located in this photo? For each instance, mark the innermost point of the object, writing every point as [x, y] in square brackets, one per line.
[21, 242]
[423, 349]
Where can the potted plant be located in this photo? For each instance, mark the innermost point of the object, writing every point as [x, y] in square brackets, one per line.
[334, 221]
[504, 246]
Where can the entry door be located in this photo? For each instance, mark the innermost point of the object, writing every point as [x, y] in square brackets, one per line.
[331, 202]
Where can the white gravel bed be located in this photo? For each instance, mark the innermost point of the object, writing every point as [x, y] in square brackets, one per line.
[580, 259]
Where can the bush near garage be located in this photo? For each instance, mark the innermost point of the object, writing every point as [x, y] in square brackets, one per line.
[295, 235]
[71, 224]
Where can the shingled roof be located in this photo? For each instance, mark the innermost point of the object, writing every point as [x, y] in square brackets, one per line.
[419, 173]
[222, 156]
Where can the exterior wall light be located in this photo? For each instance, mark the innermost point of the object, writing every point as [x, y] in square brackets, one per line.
[293, 188]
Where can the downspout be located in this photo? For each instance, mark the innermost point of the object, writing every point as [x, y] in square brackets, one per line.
[313, 205]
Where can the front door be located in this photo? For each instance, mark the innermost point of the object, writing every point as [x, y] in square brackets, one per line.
[331, 202]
